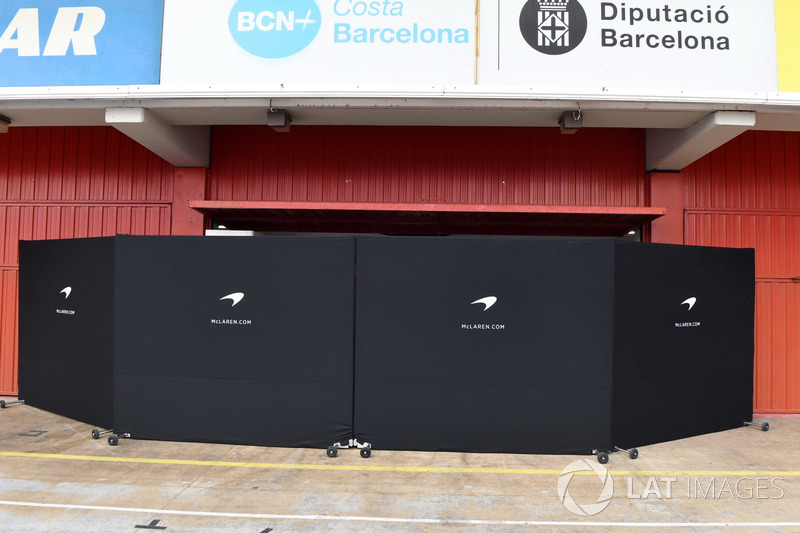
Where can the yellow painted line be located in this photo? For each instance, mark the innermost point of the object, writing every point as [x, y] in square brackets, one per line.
[706, 473]
[285, 466]
[366, 468]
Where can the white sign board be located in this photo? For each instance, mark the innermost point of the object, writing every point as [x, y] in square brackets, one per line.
[591, 47]
[247, 42]
[611, 46]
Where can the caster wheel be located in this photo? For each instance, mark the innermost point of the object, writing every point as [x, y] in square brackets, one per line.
[602, 458]
[332, 452]
[633, 454]
[95, 434]
[765, 426]
[366, 452]
[113, 440]
[2, 404]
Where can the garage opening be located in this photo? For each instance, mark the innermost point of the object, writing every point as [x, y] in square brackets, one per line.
[427, 218]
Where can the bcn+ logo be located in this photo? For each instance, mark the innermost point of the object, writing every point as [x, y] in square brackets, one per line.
[274, 29]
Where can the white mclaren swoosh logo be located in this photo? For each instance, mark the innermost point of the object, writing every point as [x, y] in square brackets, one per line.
[487, 302]
[236, 297]
[66, 292]
[690, 302]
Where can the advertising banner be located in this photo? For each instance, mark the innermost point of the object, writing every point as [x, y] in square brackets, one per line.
[97, 42]
[593, 47]
[674, 45]
[354, 42]
[603, 49]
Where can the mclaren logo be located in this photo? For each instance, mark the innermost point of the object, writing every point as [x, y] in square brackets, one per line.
[235, 298]
[488, 302]
[66, 291]
[690, 303]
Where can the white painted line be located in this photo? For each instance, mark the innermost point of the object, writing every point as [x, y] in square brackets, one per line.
[437, 521]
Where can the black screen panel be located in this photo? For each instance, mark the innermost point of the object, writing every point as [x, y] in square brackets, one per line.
[263, 326]
[66, 331]
[426, 353]
[683, 355]
[526, 345]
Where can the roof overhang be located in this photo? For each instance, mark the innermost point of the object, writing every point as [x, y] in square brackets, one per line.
[675, 149]
[176, 125]
[428, 218]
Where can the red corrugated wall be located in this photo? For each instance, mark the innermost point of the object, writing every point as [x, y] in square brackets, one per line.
[747, 194]
[84, 182]
[65, 183]
[81, 182]
[465, 165]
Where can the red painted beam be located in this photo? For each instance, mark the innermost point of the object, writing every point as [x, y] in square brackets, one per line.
[653, 212]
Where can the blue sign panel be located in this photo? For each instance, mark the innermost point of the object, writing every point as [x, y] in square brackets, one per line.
[85, 42]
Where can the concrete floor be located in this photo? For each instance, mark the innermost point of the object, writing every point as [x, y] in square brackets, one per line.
[55, 478]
